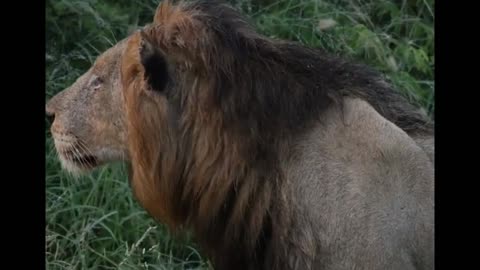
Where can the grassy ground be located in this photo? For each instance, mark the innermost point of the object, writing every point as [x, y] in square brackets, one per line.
[93, 222]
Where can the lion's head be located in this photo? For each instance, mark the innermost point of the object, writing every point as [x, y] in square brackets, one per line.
[89, 126]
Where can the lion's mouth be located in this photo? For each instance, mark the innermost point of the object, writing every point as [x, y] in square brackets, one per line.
[89, 161]
[81, 160]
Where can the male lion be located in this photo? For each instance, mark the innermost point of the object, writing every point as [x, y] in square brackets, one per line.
[277, 156]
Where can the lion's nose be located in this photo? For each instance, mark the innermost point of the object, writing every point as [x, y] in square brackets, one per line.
[50, 113]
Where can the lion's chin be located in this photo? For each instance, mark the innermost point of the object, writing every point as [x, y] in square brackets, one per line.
[79, 163]
[78, 166]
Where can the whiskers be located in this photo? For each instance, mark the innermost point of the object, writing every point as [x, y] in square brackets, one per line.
[74, 155]
[77, 158]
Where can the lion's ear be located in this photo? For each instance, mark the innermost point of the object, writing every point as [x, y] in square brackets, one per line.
[154, 64]
[163, 11]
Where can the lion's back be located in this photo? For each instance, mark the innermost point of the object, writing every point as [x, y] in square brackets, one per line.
[366, 187]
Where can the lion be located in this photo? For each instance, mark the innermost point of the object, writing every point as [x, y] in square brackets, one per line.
[275, 155]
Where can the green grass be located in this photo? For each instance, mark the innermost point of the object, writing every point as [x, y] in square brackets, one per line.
[94, 222]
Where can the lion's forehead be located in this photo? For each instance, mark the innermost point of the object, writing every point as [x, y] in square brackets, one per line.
[111, 57]
[105, 61]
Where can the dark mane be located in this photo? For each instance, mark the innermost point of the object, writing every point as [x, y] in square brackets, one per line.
[282, 85]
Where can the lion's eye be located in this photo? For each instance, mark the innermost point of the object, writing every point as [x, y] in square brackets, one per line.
[96, 83]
